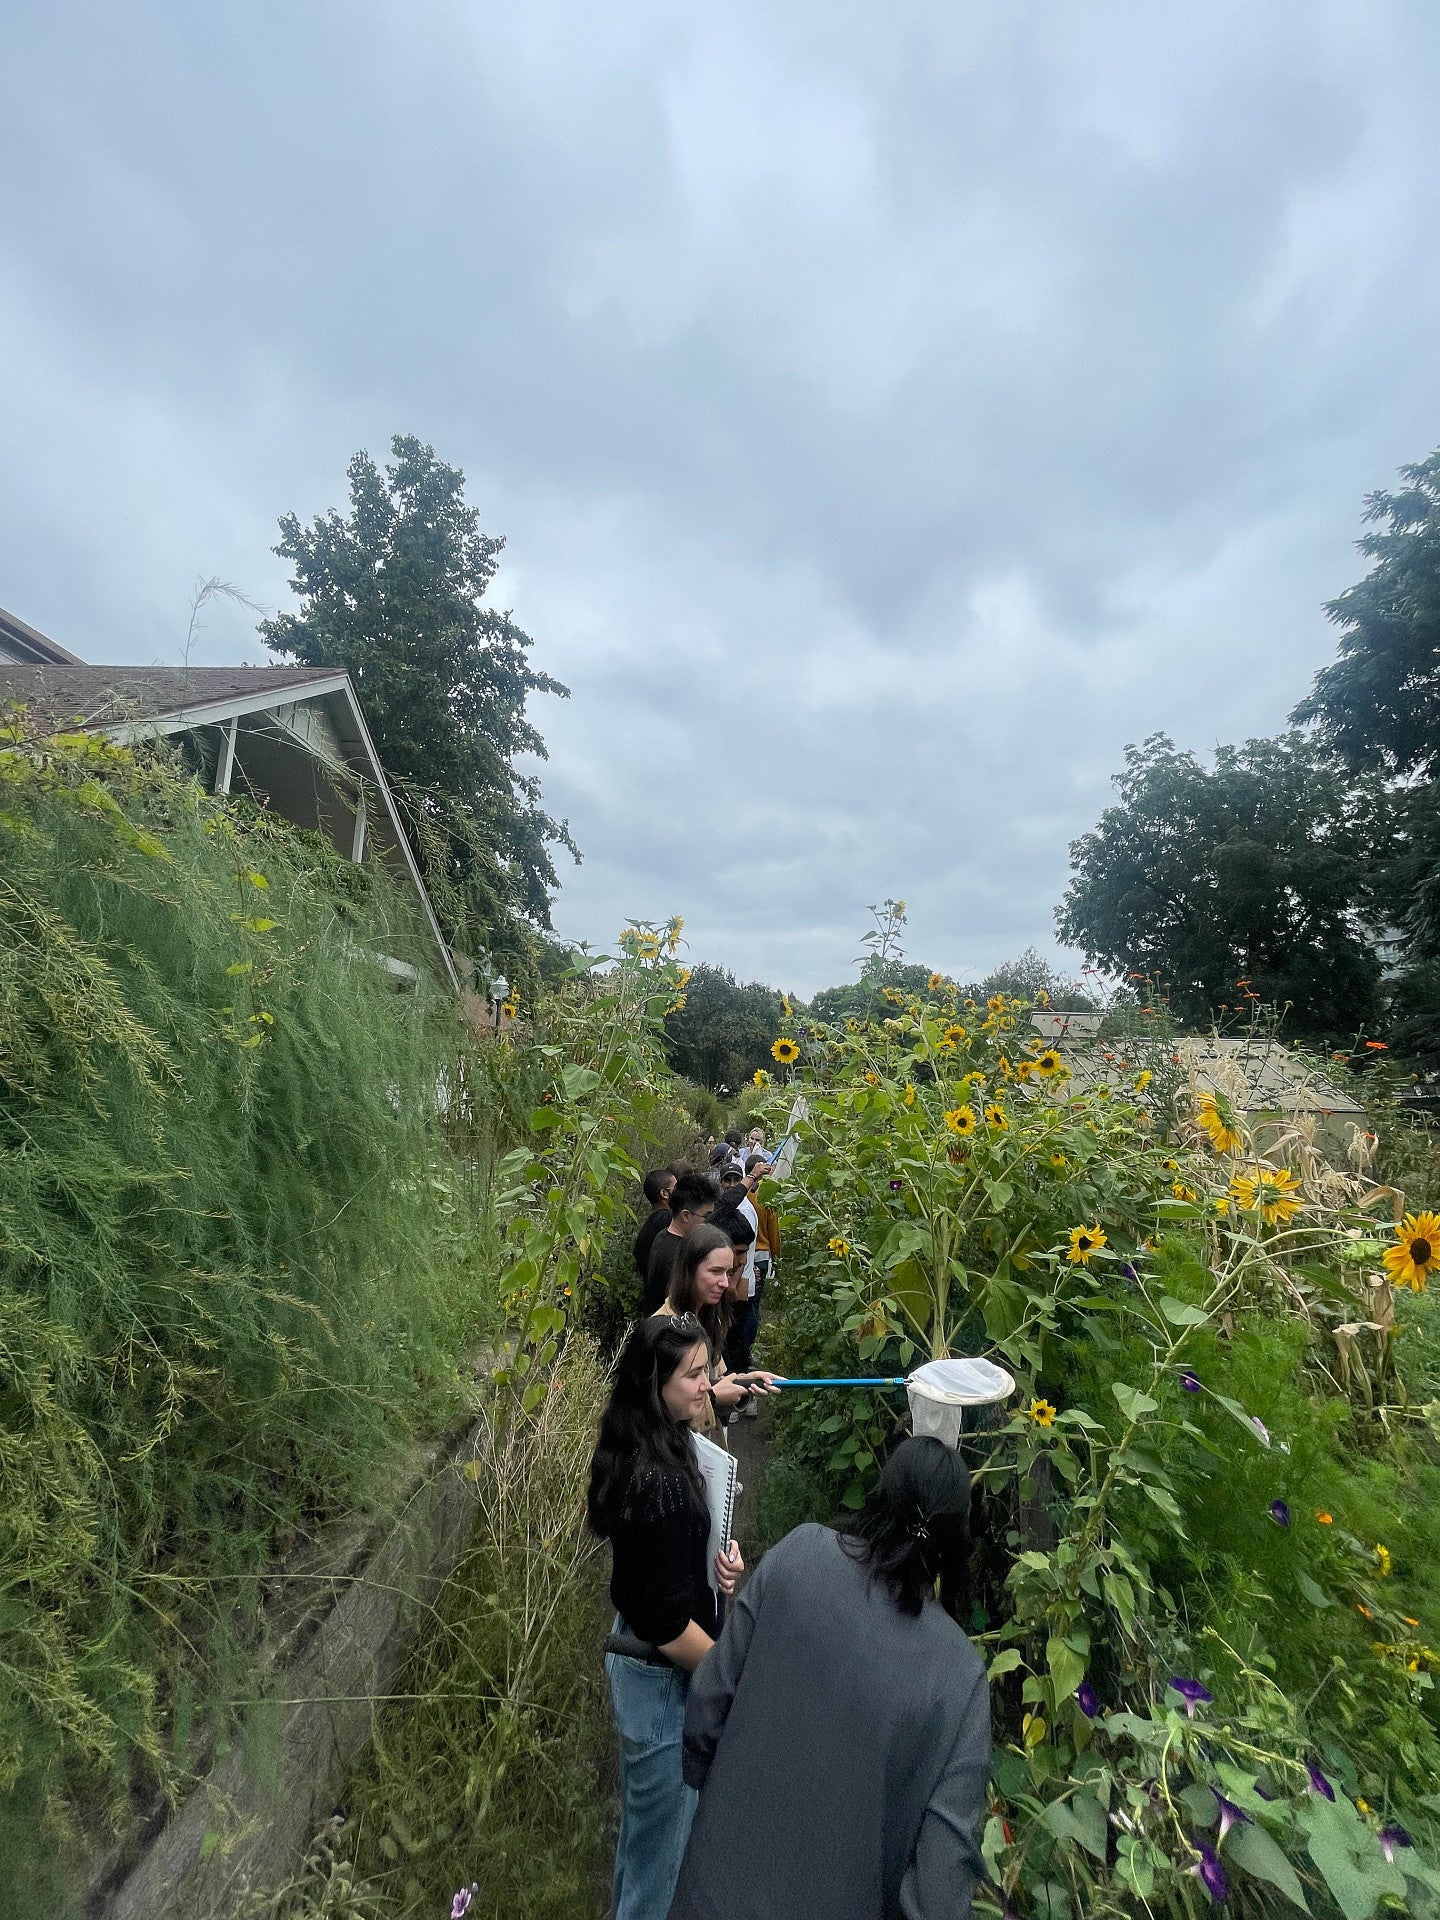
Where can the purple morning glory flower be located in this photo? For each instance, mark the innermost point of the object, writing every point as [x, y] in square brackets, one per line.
[1318, 1782]
[1130, 1272]
[1280, 1513]
[1393, 1837]
[1209, 1872]
[896, 1186]
[460, 1905]
[1230, 1815]
[1189, 1381]
[1087, 1700]
[1260, 1428]
[1191, 1692]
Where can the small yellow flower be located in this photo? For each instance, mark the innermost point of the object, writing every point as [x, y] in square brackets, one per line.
[1042, 1413]
[1416, 1251]
[1382, 1561]
[995, 1116]
[909, 1095]
[961, 1120]
[762, 1078]
[1058, 1161]
[1325, 1519]
[872, 1079]
[935, 982]
[839, 1247]
[785, 1051]
[1085, 1243]
[957, 1036]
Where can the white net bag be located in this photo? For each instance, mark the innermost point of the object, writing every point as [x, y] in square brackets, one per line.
[941, 1390]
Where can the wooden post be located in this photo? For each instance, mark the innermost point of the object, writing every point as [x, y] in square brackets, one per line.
[357, 844]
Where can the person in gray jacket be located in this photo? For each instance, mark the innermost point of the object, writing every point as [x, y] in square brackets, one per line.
[839, 1731]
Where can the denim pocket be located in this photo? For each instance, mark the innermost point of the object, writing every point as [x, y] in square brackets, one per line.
[649, 1702]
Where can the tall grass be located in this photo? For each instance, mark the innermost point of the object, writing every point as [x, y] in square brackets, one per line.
[242, 1253]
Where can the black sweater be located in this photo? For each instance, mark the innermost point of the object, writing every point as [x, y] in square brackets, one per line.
[658, 1580]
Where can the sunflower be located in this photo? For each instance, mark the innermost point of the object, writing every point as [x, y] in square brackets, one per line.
[1048, 1063]
[1007, 1071]
[961, 1120]
[647, 947]
[785, 1003]
[996, 1003]
[894, 996]
[1269, 1192]
[935, 983]
[909, 1095]
[969, 1005]
[785, 1051]
[1416, 1251]
[510, 1010]
[944, 1046]
[872, 1079]
[1224, 1137]
[957, 1036]
[996, 1117]
[1144, 1080]
[1085, 1243]
[685, 977]
[1024, 1069]
[762, 1079]
[1059, 1162]
[1182, 1192]
[1041, 1412]
[1382, 1561]
[839, 1247]
[1042, 998]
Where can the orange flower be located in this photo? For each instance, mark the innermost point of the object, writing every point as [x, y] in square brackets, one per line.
[1325, 1519]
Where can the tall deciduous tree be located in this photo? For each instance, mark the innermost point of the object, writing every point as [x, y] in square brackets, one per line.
[1267, 868]
[394, 594]
[724, 1031]
[1378, 703]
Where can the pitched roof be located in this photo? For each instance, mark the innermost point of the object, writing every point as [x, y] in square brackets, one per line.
[100, 696]
[19, 639]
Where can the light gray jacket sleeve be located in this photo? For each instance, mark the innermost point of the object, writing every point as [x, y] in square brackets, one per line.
[947, 1864]
[713, 1684]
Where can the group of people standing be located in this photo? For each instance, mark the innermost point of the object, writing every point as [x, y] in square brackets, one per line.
[816, 1743]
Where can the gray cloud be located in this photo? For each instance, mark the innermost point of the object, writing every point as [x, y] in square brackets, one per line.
[891, 413]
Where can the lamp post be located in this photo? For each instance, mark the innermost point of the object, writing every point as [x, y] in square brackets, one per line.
[499, 988]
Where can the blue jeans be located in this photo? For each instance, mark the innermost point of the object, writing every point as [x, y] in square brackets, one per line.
[656, 1806]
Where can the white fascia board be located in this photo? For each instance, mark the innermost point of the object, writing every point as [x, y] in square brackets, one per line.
[382, 787]
[207, 712]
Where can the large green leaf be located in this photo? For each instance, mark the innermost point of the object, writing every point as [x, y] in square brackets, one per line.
[1252, 1848]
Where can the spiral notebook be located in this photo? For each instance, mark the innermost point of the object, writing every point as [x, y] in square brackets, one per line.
[717, 1470]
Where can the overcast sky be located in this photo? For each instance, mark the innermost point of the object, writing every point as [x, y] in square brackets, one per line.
[891, 411]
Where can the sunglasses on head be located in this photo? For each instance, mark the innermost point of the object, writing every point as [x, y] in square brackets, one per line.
[687, 1326]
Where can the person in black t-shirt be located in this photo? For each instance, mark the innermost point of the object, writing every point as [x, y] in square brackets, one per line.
[691, 1201]
[647, 1499]
[659, 1185]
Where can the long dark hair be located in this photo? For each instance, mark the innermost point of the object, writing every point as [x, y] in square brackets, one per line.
[915, 1527]
[684, 1297]
[637, 1428]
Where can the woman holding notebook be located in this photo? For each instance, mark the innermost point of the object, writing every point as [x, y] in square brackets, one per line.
[647, 1499]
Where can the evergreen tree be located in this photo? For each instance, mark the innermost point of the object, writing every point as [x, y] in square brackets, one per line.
[394, 593]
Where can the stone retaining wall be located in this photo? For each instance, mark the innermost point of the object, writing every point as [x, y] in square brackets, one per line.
[343, 1617]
